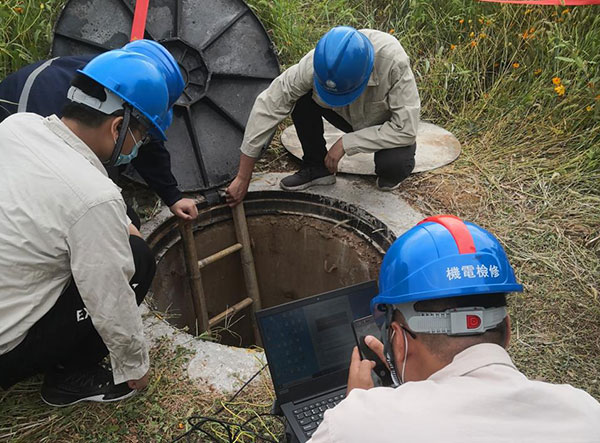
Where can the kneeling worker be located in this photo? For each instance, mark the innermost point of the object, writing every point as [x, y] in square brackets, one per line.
[361, 82]
[442, 290]
[42, 88]
[72, 275]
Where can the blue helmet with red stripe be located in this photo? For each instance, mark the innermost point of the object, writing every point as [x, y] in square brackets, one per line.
[443, 257]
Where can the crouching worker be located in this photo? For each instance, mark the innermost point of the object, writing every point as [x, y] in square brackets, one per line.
[72, 275]
[443, 288]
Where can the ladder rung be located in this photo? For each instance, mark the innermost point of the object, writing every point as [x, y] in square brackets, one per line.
[219, 255]
[230, 311]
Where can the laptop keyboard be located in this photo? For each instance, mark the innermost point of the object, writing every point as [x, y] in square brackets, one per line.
[310, 417]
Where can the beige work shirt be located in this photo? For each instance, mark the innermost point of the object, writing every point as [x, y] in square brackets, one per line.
[384, 116]
[61, 217]
[479, 397]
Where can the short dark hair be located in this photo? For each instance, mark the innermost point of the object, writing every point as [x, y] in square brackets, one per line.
[88, 116]
[446, 346]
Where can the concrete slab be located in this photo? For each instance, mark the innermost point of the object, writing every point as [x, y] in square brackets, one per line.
[436, 147]
[224, 369]
[216, 367]
[388, 207]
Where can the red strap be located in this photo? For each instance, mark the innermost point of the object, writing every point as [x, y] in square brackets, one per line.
[547, 2]
[139, 20]
[458, 230]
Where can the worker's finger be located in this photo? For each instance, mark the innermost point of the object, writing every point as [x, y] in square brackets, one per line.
[354, 361]
[377, 347]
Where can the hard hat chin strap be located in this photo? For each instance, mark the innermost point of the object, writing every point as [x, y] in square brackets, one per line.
[121, 139]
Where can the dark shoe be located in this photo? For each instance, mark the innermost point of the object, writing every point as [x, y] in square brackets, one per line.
[384, 184]
[64, 388]
[307, 177]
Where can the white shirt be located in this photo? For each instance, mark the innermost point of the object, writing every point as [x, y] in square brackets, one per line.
[384, 116]
[479, 397]
[61, 217]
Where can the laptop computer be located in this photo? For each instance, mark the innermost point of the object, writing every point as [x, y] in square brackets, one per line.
[308, 344]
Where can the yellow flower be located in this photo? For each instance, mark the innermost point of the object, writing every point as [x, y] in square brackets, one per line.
[472, 34]
[473, 43]
[538, 71]
[461, 21]
[483, 35]
[525, 35]
[452, 47]
[566, 11]
[480, 21]
[180, 425]
[560, 90]
[556, 80]
[531, 30]
[391, 31]
[589, 108]
[516, 65]
[470, 21]
[528, 11]
[597, 98]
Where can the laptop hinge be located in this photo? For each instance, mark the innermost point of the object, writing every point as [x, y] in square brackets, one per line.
[320, 394]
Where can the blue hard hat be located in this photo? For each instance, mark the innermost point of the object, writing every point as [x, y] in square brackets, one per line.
[342, 62]
[443, 257]
[134, 78]
[164, 61]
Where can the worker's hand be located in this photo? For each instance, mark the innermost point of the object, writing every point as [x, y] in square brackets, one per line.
[377, 347]
[359, 375]
[134, 231]
[237, 190]
[185, 209]
[334, 156]
[140, 383]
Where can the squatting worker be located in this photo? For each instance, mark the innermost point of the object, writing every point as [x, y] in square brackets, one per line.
[72, 275]
[361, 82]
[42, 88]
[442, 290]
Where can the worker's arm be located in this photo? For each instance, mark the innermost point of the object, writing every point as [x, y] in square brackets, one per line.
[102, 266]
[275, 103]
[271, 107]
[153, 163]
[401, 130]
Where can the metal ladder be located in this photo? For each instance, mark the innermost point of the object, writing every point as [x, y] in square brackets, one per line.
[193, 265]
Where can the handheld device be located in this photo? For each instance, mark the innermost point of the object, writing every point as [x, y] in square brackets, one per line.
[366, 326]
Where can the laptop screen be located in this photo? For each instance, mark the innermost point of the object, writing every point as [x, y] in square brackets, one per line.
[308, 338]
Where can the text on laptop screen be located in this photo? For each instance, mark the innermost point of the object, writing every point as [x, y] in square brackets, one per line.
[313, 339]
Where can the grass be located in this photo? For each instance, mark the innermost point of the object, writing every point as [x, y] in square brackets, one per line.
[519, 86]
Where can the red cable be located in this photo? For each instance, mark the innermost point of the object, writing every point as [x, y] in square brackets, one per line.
[139, 20]
[547, 2]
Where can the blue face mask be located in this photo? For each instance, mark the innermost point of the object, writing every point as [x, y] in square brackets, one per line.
[124, 159]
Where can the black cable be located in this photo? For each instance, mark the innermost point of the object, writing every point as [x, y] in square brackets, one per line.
[196, 421]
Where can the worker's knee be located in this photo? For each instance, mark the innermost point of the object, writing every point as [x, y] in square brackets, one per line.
[145, 267]
[395, 164]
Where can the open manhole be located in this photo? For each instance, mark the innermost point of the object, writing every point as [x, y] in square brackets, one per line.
[303, 244]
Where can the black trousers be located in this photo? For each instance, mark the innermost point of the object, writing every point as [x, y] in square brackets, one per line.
[393, 164]
[65, 335]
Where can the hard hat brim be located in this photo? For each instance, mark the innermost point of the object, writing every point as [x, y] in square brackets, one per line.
[339, 100]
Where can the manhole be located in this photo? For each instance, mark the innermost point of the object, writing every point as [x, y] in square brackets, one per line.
[303, 244]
